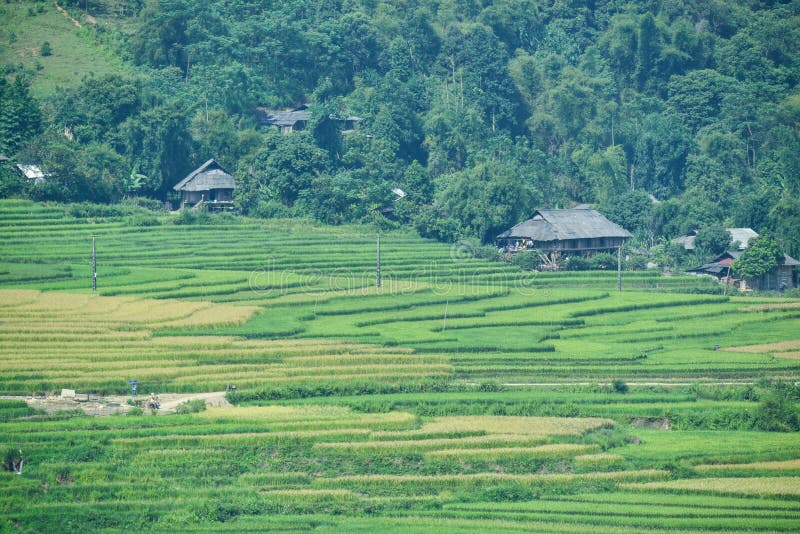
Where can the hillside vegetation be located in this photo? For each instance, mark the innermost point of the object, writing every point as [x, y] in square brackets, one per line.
[480, 110]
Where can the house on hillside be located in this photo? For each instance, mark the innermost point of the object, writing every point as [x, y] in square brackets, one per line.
[209, 185]
[738, 235]
[784, 276]
[296, 119]
[32, 173]
[577, 231]
[287, 120]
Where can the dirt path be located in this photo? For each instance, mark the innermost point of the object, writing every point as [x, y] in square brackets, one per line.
[67, 15]
[99, 405]
[170, 404]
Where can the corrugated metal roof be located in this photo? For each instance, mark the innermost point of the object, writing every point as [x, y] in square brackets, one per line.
[561, 225]
[209, 175]
[31, 172]
[742, 235]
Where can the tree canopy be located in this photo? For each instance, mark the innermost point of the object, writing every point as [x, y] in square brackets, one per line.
[483, 111]
[760, 257]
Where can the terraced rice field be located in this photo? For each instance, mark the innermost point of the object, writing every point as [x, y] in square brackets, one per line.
[462, 395]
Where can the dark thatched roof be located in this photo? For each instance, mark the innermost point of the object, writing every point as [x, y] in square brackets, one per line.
[210, 175]
[269, 117]
[562, 225]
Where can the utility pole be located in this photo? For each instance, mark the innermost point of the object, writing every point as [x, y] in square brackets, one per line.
[94, 264]
[619, 268]
[378, 264]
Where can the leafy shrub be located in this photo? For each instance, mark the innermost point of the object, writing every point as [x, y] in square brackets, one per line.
[142, 219]
[191, 406]
[777, 411]
[576, 263]
[491, 386]
[527, 260]
[508, 493]
[46, 49]
[619, 386]
[143, 202]
[603, 261]
[135, 411]
[86, 452]
[635, 263]
[189, 216]
[712, 240]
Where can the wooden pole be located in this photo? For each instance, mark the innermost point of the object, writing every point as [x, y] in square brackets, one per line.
[619, 268]
[94, 264]
[727, 281]
[378, 264]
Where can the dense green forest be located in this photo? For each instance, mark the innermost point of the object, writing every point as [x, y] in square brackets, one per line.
[667, 115]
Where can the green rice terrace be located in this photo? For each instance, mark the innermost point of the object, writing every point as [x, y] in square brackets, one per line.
[461, 395]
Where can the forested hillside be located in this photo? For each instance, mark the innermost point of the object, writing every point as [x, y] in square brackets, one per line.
[480, 110]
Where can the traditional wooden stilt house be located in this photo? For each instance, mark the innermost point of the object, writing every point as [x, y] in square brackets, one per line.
[209, 185]
[576, 231]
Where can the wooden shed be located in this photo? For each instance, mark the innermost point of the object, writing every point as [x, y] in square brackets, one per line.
[209, 185]
[578, 231]
[783, 276]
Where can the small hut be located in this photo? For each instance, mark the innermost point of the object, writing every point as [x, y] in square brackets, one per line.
[781, 277]
[209, 185]
[577, 231]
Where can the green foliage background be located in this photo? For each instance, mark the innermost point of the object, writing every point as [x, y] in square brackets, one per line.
[481, 110]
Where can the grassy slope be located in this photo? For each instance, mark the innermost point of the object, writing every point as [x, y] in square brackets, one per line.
[75, 51]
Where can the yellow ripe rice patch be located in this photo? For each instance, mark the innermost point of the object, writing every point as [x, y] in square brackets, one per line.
[64, 366]
[155, 312]
[280, 413]
[542, 451]
[309, 492]
[359, 368]
[218, 314]
[362, 359]
[17, 297]
[353, 376]
[766, 348]
[77, 338]
[251, 437]
[488, 478]
[528, 426]
[728, 485]
[199, 341]
[766, 466]
[272, 373]
[55, 302]
[412, 445]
